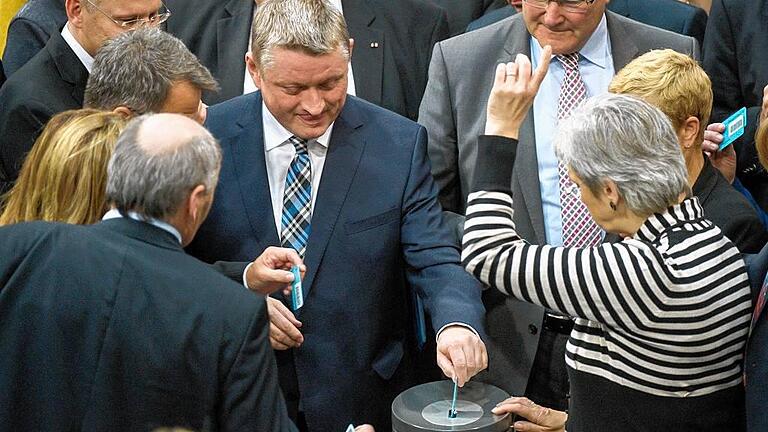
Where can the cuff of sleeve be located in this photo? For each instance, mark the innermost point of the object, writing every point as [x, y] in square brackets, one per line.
[437, 336]
[495, 160]
[245, 272]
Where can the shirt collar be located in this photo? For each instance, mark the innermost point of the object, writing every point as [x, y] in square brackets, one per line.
[687, 211]
[276, 135]
[80, 52]
[597, 50]
[115, 213]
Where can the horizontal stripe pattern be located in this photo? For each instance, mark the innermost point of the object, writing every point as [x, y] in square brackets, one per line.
[665, 312]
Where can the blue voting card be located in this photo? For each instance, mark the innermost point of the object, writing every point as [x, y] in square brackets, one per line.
[297, 293]
[734, 127]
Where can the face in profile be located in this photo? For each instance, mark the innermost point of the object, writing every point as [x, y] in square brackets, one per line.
[97, 21]
[566, 31]
[304, 92]
[184, 98]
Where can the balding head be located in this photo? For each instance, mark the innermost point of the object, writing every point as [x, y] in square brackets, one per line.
[158, 161]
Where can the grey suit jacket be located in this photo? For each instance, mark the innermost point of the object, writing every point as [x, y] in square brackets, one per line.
[453, 111]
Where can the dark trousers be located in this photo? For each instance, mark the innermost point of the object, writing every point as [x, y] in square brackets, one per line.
[548, 383]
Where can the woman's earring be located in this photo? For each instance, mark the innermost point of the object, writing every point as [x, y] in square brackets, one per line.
[613, 206]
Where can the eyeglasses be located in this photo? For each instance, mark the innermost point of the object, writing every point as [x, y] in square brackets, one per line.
[159, 17]
[576, 6]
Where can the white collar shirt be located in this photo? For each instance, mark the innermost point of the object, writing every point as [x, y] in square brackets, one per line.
[80, 52]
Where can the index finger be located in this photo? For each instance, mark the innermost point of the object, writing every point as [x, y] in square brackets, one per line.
[543, 67]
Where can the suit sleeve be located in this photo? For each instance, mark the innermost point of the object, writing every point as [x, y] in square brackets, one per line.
[24, 124]
[436, 114]
[450, 294]
[251, 399]
[720, 61]
[232, 270]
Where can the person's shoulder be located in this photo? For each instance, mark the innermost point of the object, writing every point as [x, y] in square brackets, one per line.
[367, 113]
[223, 115]
[648, 37]
[495, 34]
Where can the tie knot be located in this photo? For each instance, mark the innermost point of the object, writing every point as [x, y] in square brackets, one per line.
[299, 144]
[569, 61]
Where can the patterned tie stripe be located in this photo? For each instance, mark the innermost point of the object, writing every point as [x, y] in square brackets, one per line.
[579, 229]
[297, 200]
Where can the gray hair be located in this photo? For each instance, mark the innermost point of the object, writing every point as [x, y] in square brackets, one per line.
[314, 27]
[629, 141]
[137, 69]
[156, 183]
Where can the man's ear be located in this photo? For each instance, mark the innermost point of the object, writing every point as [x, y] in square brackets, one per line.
[74, 9]
[253, 69]
[124, 111]
[351, 47]
[197, 199]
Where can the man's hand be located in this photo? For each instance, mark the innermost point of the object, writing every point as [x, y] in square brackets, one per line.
[541, 419]
[514, 88]
[271, 270]
[460, 353]
[724, 161]
[283, 326]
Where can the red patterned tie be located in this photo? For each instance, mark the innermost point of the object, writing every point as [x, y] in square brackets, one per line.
[579, 230]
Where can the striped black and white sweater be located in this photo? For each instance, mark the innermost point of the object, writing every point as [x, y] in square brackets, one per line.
[664, 313]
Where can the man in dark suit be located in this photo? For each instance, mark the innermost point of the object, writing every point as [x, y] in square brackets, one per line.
[756, 355]
[347, 185]
[113, 327]
[734, 56]
[393, 42]
[527, 345]
[29, 31]
[671, 15]
[54, 80]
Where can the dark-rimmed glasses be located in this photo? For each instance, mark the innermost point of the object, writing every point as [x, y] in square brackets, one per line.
[158, 18]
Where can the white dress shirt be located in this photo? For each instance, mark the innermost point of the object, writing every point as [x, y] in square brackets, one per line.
[249, 86]
[80, 52]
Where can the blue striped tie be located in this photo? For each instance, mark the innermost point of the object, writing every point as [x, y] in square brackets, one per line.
[297, 200]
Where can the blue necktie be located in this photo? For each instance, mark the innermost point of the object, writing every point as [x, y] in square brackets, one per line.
[297, 200]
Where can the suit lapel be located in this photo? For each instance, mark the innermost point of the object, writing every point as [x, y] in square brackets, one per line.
[232, 35]
[368, 53]
[344, 152]
[623, 49]
[69, 67]
[526, 166]
[250, 170]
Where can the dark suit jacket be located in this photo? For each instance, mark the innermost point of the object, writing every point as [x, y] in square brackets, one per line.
[462, 12]
[377, 231]
[52, 82]
[669, 15]
[756, 356]
[113, 327]
[453, 111]
[30, 30]
[2, 74]
[393, 44]
[734, 57]
[729, 210]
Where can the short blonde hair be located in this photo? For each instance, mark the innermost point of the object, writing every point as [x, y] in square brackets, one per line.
[63, 179]
[671, 81]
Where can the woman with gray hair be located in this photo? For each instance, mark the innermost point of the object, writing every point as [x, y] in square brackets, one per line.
[661, 318]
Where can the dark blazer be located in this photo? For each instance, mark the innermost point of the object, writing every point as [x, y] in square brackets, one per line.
[29, 31]
[377, 232]
[52, 82]
[729, 210]
[113, 327]
[756, 356]
[734, 57]
[453, 111]
[462, 12]
[393, 44]
[669, 15]
[2, 74]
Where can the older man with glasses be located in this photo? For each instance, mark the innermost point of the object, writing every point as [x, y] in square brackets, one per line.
[527, 346]
[54, 79]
